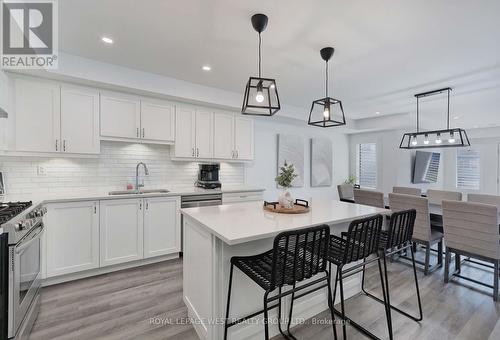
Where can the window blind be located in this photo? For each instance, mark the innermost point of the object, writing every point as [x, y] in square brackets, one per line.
[468, 169]
[367, 165]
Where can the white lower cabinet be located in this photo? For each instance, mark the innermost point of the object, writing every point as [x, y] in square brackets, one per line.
[71, 237]
[121, 231]
[162, 226]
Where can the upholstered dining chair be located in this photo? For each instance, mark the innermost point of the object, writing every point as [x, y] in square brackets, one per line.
[407, 191]
[486, 199]
[422, 232]
[471, 229]
[437, 196]
[369, 197]
[346, 192]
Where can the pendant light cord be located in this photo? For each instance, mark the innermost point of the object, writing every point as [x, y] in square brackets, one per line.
[260, 55]
[326, 81]
[448, 118]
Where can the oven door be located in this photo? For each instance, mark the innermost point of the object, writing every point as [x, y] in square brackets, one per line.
[24, 276]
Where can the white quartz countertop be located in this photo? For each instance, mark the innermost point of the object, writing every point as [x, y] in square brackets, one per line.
[243, 222]
[103, 194]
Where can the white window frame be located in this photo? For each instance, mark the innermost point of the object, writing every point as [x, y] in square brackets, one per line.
[359, 181]
[477, 168]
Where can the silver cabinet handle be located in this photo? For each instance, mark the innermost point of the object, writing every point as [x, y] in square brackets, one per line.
[143, 132]
[137, 132]
[147, 205]
[140, 206]
[197, 152]
[64, 145]
[192, 152]
[57, 144]
[232, 154]
[237, 154]
[95, 209]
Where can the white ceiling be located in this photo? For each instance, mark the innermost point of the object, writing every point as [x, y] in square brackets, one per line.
[386, 50]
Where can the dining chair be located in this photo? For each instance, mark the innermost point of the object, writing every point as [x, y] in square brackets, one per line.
[471, 229]
[422, 232]
[346, 192]
[407, 191]
[486, 199]
[437, 196]
[369, 197]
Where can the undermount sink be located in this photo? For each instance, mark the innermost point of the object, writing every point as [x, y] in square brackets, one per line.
[140, 191]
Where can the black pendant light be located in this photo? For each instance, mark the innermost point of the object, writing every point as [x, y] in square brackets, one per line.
[447, 138]
[328, 111]
[261, 94]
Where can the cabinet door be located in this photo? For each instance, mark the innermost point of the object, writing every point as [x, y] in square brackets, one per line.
[121, 231]
[243, 138]
[120, 115]
[37, 115]
[223, 135]
[185, 132]
[157, 120]
[71, 237]
[204, 134]
[162, 226]
[80, 120]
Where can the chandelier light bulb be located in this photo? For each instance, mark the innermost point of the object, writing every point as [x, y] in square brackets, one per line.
[414, 141]
[259, 97]
[452, 138]
[438, 139]
[426, 140]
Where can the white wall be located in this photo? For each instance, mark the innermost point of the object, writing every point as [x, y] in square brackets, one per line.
[394, 165]
[264, 169]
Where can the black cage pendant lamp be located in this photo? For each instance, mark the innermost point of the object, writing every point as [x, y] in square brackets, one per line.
[261, 94]
[328, 111]
[446, 138]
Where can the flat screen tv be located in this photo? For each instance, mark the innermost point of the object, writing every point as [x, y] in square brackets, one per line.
[426, 167]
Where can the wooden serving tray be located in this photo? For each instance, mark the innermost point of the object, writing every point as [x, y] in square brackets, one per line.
[277, 208]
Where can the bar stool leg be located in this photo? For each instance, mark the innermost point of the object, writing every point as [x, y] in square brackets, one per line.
[290, 316]
[421, 315]
[228, 301]
[279, 314]
[341, 284]
[447, 265]
[495, 282]
[385, 294]
[330, 302]
[266, 317]
[457, 262]
[427, 258]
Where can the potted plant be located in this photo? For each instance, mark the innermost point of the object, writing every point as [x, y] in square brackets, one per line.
[284, 179]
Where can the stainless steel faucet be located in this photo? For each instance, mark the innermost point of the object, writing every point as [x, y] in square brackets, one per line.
[146, 172]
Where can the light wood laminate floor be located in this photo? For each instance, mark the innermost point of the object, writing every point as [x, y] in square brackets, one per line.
[121, 305]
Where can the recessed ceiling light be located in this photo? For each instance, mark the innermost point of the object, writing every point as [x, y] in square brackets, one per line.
[377, 113]
[206, 68]
[107, 40]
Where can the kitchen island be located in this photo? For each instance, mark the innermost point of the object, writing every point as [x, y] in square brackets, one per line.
[212, 235]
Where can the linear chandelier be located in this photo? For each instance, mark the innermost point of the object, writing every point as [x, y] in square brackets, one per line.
[261, 94]
[446, 138]
[328, 111]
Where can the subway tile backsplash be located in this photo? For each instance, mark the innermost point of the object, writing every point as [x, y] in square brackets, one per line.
[112, 170]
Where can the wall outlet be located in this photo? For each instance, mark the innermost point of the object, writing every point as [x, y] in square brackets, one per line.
[41, 170]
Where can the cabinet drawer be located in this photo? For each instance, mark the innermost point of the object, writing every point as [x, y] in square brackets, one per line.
[247, 196]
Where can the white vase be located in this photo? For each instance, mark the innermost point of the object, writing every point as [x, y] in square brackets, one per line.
[286, 199]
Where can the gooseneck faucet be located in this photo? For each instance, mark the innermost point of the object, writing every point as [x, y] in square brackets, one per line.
[146, 172]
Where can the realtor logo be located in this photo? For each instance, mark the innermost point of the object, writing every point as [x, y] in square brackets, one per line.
[29, 34]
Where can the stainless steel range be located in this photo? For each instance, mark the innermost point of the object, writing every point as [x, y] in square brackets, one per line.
[23, 224]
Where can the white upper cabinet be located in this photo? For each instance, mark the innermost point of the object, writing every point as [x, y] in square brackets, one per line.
[37, 115]
[120, 115]
[204, 133]
[79, 120]
[185, 129]
[157, 120]
[243, 138]
[223, 135]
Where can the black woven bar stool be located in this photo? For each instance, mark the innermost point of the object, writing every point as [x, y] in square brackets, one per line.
[396, 240]
[361, 242]
[296, 255]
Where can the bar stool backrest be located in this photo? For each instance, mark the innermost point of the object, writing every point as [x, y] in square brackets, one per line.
[407, 191]
[422, 226]
[437, 196]
[472, 227]
[346, 191]
[363, 238]
[299, 255]
[485, 199]
[369, 197]
[401, 228]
